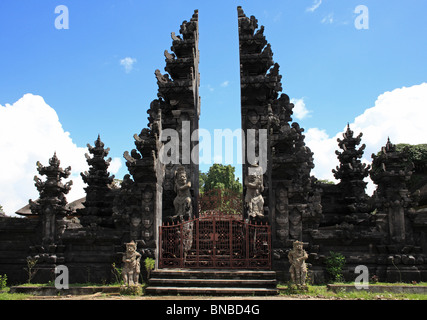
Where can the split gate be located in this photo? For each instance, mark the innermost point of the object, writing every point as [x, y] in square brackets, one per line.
[215, 241]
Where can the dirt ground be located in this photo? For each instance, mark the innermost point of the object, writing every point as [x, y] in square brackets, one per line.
[100, 296]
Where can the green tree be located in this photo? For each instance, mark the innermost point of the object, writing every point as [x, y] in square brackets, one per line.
[202, 179]
[2, 213]
[220, 190]
[417, 154]
[221, 177]
[335, 265]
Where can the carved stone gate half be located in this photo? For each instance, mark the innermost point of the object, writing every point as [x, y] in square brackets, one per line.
[215, 241]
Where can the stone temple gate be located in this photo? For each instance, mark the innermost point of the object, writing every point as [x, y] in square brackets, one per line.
[156, 205]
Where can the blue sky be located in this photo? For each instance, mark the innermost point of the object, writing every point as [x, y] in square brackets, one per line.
[334, 69]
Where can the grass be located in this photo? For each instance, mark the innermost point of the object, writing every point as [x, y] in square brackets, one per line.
[313, 291]
[321, 291]
[52, 284]
[5, 295]
[387, 283]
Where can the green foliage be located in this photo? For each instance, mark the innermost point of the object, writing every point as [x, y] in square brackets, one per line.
[202, 178]
[6, 295]
[31, 263]
[416, 153]
[2, 213]
[136, 290]
[225, 200]
[117, 273]
[334, 266]
[221, 177]
[149, 265]
[3, 281]
[326, 181]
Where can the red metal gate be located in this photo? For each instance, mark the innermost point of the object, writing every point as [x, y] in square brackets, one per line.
[215, 241]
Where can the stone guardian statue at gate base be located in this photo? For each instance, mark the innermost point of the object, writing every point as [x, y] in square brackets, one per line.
[131, 265]
[298, 269]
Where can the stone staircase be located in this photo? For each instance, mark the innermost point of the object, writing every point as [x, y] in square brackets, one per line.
[211, 282]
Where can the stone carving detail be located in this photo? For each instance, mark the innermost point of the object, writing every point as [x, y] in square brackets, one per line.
[282, 214]
[351, 173]
[254, 200]
[179, 102]
[131, 265]
[391, 172]
[99, 198]
[295, 222]
[51, 205]
[387, 231]
[289, 160]
[298, 269]
[182, 202]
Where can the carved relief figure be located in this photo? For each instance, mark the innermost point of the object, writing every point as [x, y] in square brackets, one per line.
[131, 267]
[282, 214]
[253, 119]
[295, 222]
[147, 203]
[49, 225]
[254, 188]
[182, 202]
[298, 269]
[135, 224]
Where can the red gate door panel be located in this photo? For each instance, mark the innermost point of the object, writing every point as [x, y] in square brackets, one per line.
[215, 241]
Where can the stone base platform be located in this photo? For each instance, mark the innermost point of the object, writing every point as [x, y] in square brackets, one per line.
[211, 282]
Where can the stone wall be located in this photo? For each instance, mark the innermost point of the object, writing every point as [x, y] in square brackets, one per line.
[16, 237]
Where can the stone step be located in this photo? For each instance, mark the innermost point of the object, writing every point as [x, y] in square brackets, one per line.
[251, 283]
[210, 291]
[213, 274]
[212, 282]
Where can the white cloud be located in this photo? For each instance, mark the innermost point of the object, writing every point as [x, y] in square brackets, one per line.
[277, 17]
[329, 19]
[399, 114]
[128, 63]
[217, 158]
[300, 110]
[225, 83]
[30, 131]
[115, 165]
[316, 4]
[210, 88]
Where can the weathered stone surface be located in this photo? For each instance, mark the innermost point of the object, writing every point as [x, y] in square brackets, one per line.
[298, 269]
[386, 232]
[131, 265]
[99, 194]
